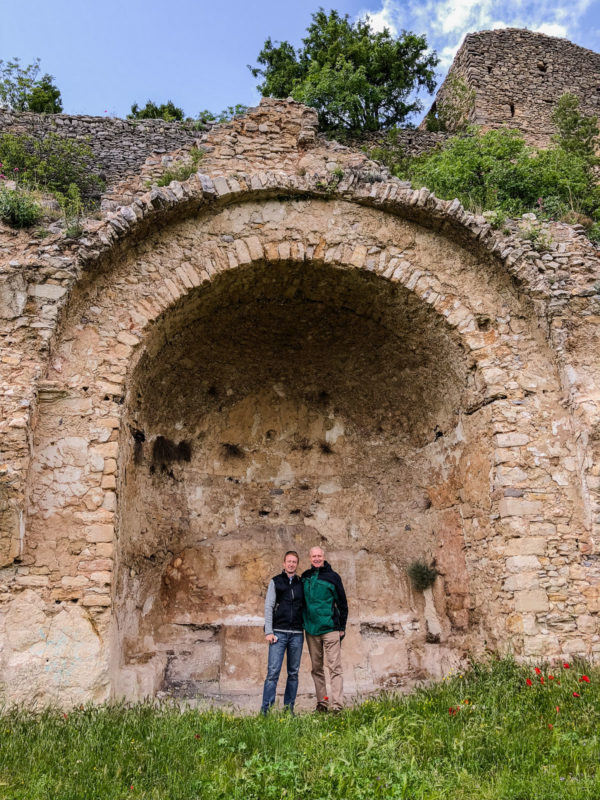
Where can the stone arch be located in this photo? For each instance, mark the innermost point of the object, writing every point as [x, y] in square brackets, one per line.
[117, 315]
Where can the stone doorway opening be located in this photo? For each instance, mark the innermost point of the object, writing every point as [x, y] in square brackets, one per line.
[288, 405]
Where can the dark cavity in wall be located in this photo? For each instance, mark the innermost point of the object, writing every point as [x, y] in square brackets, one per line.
[165, 451]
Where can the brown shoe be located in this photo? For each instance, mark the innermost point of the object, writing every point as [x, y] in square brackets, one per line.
[322, 708]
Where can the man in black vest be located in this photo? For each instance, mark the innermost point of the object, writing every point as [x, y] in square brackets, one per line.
[283, 631]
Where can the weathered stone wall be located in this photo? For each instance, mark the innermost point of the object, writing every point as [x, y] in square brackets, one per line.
[120, 147]
[519, 75]
[291, 317]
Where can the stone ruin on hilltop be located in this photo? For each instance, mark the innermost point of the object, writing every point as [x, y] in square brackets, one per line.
[290, 348]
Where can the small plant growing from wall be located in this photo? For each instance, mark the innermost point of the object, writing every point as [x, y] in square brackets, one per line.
[181, 172]
[421, 574]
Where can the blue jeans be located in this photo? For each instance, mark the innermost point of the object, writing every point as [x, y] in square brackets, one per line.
[290, 643]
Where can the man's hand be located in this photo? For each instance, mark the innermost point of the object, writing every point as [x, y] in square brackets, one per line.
[271, 638]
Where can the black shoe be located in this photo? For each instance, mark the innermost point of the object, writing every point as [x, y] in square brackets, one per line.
[322, 708]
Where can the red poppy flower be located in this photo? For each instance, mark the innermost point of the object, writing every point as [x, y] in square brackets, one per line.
[541, 680]
[550, 677]
[557, 709]
[538, 671]
[529, 682]
[575, 694]
[566, 666]
[550, 725]
[197, 736]
[584, 679]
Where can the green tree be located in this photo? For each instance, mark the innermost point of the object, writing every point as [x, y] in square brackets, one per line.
[22, 90]
[357, 78]
[167, 111]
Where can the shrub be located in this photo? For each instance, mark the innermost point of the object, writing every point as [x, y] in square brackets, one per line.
[421, 575]
[167, 111]
[72, 209]
[18, 208]
[497, 171]
[53, 163]
[207, 117]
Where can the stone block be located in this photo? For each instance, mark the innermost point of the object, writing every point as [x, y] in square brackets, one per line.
[521, 563]
[100, 533]
[517, 507]
[96, 600]
[531, 600]
[526, 545]
[46, 291]
[107, 450]
[520, 581]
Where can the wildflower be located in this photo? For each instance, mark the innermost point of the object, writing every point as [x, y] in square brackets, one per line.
[538, 671]
[542, 679]
[550, 677]
[197, 736]
[16, 169]
[65, 716]
[576, 694]
[529, 682]
[550, 725]
[584, 679]
[557, 709]
[566, 666]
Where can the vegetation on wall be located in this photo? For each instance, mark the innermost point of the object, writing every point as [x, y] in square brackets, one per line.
[19, 209]
[167, 111]
[497, 171]
[51, 164]
[357, 78]
[22, 90]
[454, 113]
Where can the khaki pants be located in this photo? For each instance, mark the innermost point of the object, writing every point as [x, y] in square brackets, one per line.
[325, 650]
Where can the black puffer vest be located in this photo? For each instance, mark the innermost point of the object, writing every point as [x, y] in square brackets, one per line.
[287, 614]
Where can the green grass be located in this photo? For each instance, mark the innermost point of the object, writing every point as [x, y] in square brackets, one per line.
[506, 741]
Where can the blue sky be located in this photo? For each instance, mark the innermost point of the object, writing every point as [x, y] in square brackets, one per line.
[105, 55]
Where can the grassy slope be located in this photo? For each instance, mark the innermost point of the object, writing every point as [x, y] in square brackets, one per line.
[507, 740]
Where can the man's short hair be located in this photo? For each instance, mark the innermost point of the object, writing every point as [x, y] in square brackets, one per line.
[291, 553]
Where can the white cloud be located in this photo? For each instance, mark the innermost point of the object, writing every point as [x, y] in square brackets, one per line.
[552, 29]
[387, 16]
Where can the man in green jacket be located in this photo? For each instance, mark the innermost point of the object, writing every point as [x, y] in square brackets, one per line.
[325, 616]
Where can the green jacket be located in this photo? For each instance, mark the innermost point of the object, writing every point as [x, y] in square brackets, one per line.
[325, 604]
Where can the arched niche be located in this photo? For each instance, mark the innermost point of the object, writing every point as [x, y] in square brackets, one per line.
[286, 406]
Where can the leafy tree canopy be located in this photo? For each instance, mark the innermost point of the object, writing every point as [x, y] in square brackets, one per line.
[357, 78]
[22, 90]
[167, 111]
